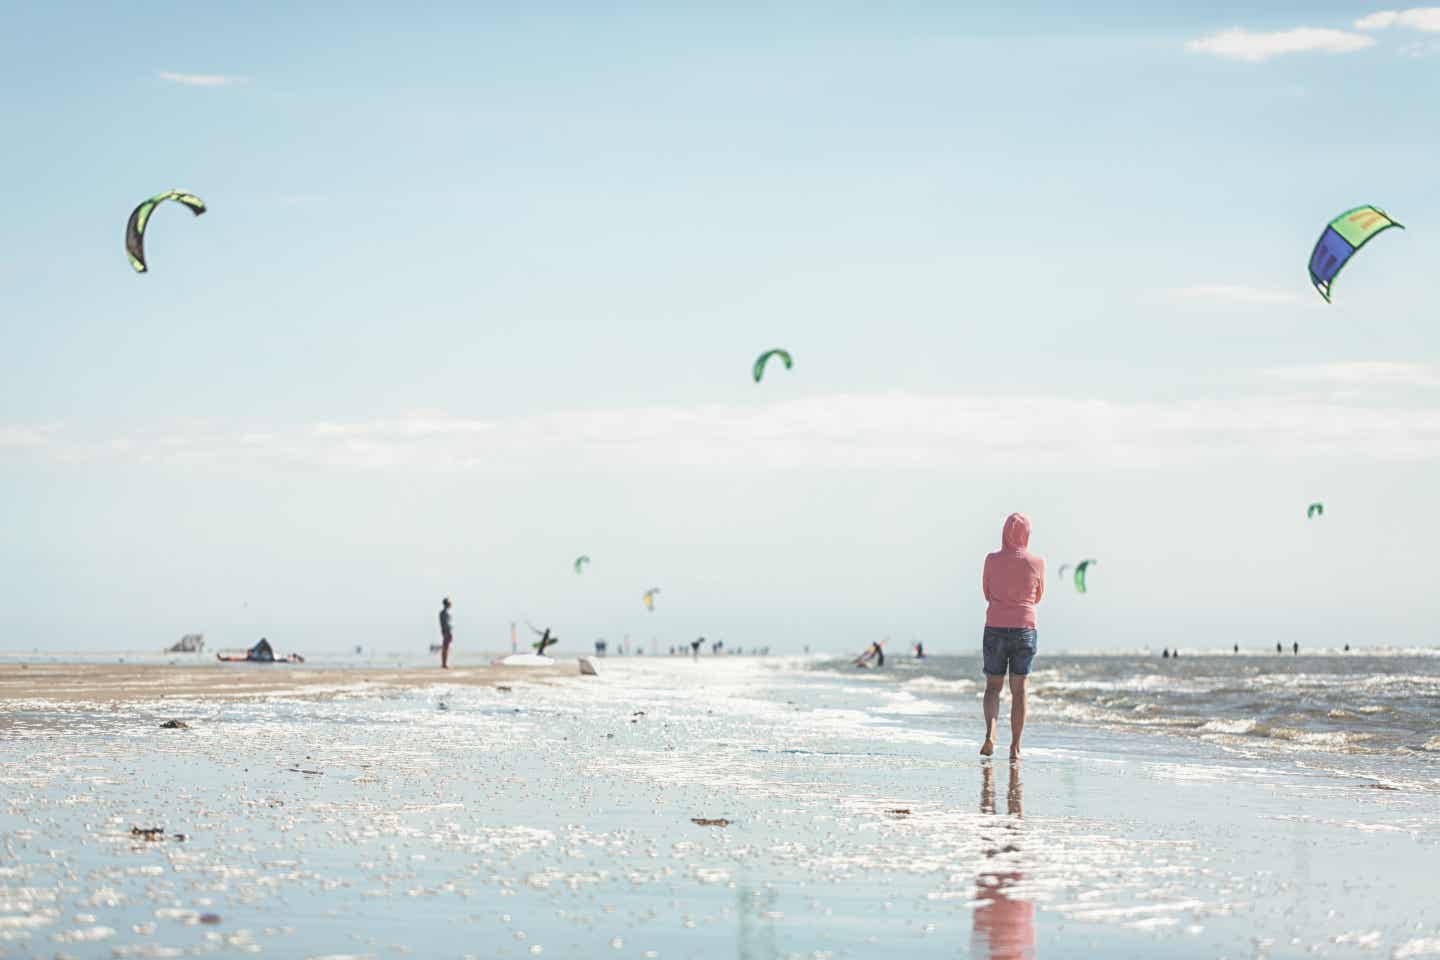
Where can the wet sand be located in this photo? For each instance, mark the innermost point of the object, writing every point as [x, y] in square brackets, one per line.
[130, 683]
[676, 810]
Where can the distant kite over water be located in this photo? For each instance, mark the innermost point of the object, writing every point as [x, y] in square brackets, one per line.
[650, 598]
[764, 358]
[1314, 510]
[580, 562]
[1080, 569]
[1342, 239]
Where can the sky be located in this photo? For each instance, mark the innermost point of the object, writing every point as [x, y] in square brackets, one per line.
[480, 287]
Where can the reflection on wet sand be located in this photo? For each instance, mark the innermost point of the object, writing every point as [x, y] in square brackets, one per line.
[1004, 926]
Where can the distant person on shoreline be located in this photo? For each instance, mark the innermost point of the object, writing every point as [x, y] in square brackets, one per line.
[1279, 649]
[695, 648]
[1297, 648]
[1013, 583]
[919, 650]
[1237, 648]
[1165, 654]
[445, 636]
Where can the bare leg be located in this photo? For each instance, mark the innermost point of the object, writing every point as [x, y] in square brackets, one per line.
[1017, 714]
[445, 655]
[992, 712]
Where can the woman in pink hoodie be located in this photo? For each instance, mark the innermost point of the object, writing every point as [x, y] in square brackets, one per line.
[1014, 582]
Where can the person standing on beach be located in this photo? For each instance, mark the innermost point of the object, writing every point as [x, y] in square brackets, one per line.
[445, 636]
[1013, 582]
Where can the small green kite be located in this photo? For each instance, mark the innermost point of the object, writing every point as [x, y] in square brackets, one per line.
[764, 358]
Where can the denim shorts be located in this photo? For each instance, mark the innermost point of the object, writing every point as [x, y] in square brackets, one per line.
[1009, 649]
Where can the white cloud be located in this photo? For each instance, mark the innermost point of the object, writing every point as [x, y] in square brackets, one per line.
[1224, 293]
[1364, 373]
[1426, 19]
[894, 431]
[27, 437]
[1241, 44]
[200, 79]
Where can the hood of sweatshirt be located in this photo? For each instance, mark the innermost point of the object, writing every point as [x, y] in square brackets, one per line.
[1017, 532]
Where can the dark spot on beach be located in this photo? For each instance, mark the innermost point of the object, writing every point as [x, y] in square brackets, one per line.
[898, 812]
[1379, 786]
[174, 725]
[210, 918]
[704, 822]
[311, 772]
[148, 833]
[502, 688]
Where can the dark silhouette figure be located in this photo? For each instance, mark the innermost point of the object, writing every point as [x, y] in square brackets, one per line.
[445, 635]
[544, 642]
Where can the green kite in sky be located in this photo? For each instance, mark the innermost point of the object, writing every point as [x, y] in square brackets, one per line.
[580, 562]
[1342, 239]
[1080, 569]
[140, 217]
[764, 358]
[1314, 510]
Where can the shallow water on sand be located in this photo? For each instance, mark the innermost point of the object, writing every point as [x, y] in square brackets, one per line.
[557, 819]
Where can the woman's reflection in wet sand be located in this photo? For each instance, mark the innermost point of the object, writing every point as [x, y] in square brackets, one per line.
[1004, 926]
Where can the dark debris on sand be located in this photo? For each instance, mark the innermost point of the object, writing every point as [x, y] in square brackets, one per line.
[154, 834]
[703, 822]
[174, 725]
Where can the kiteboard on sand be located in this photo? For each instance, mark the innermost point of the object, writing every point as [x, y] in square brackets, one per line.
[241, 658]
[523, 660]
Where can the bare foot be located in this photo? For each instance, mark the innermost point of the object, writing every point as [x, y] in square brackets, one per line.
[987, 748]
[1014, 753]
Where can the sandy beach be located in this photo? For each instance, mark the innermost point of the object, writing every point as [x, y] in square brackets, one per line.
[668, 808]
[127, 683]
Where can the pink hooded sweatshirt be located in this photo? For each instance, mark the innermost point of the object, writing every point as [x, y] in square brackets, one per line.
[1014, 577]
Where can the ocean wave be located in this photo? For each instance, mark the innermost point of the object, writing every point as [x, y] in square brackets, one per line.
[1228, 726]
